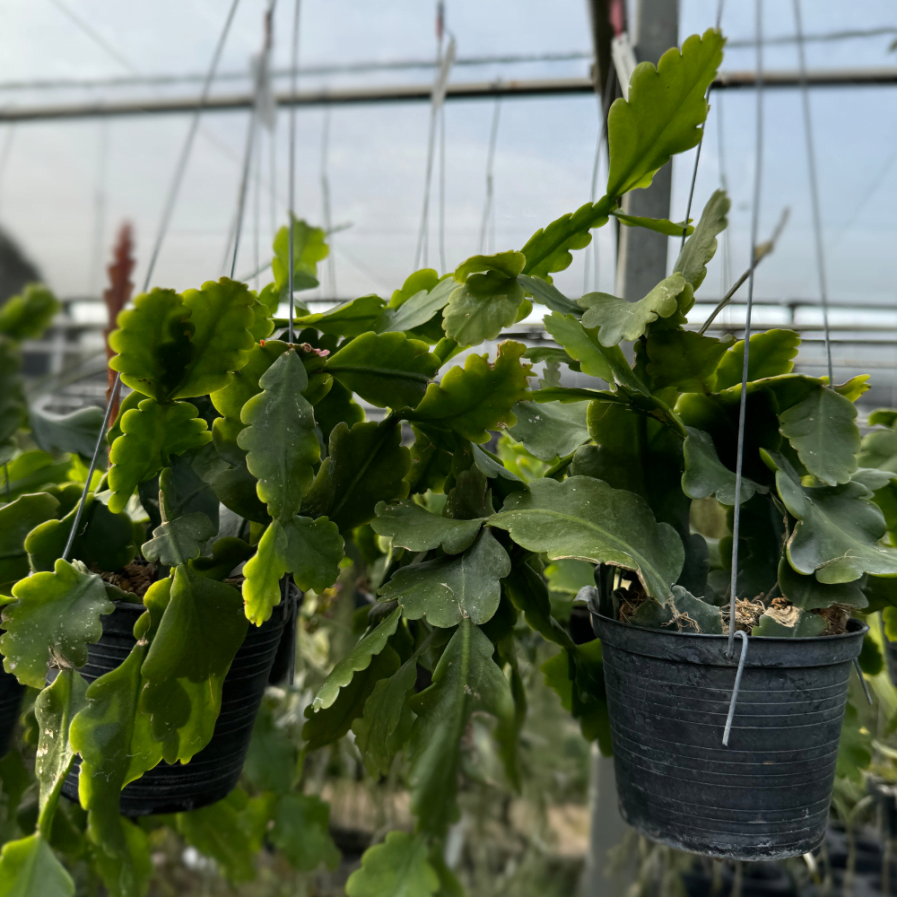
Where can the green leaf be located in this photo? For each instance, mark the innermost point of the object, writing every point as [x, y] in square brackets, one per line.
[547, 294]
[349, 319]
[509, 264]
[622, 320]
[230, 831]
[280, 440]
[29, 314]
[54, 709]
[329, 725]
[449, 589]
[386, 724]
[179, 540]
[417, 529]
[309, 549]
[309, 248]
[386, 369]
[809, 593]
[271, 761]
[356, 661]
[54, 614]
[12, 397]
[700, 247]
[466, 680]
[608, 363]
[301, 831]
[29, 868]
[399, 867]
[366, 464]
[569, 576]
[693, 614]
[548, 249]
[792, 623]
[230, 400]
[550, 431]
[76, 432]
[664, 113]
[838, 530]
[478, 397]
[885, 417]
[430, 464]
[658, 225]
[823, 431]
[705, 475]
[684, 359]
[151, 434]
[202, 626]
[418, 308]
[587, 519]
[770, 356]
[17, 519]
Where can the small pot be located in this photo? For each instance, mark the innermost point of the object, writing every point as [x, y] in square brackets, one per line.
[764, 797]
[10, 704]
[213, 773]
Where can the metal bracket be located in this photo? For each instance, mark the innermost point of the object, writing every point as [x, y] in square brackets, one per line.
[736, 688]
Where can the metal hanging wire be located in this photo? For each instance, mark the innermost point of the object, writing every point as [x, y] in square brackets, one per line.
[488, 211]
[325, 200]
[99, 211]
[163, 228]
[294, 62]
[742, 408]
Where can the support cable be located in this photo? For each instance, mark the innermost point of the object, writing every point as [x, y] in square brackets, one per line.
[294, 63]
[490, 188]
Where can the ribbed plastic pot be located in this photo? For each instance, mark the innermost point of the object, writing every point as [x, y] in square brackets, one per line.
[215, 770]
[10, 704]
[764, 797]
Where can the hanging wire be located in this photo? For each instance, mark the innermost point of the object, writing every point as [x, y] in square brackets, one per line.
[490, 160]
[742, 408]
[294, 62]
[7, 150]
[694, 173]
[244, 184]
[726, 260]
[257, 214]
[325, 200]
[163, 227]
[442, 262]
[814, 188]
[604, 108]
[99, 211]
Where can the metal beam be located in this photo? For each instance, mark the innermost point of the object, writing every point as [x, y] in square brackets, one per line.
[407, 93]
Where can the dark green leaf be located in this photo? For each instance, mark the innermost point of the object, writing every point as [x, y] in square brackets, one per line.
[587, 519]
[280, 439]
[349, 319]
[838, 529]
[478, 397]
[365, 465]
[418, 308]
[664, 113]
[488, 301]
[569, 576]
[17, 519]
[451, 588]
[399, 867]
[809, 593]
[54, 709]
[619, 320]
[387, 720]
[301, 831]
[430, 464]
[509, 264]
[179, 540]
[227, 553]
[29, 868]
[700, 247]
[822, 430]
[356, 661]
[76, 432]
[548, 295]
[705, 475]
[770, 356]
[466, 680]
[12, 397]
[789, 623]
[151, 434]
[28, 315]
[550, 431]
[271, 761]
[413, 527]
[54, 614]
[658, 225]
[693, 614]
[387, 370]
[528, 592]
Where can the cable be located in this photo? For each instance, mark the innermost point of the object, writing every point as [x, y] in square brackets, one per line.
[490, 159]
[294, 61]
[742, 408]
[325, 200]
[814, 189]
[97, 38]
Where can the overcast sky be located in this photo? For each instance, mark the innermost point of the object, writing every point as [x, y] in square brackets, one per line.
[54, 173]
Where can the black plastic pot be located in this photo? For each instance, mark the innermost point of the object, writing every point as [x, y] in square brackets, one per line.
[764, 797]
[10, 703]
[215, 770]
[286, 647]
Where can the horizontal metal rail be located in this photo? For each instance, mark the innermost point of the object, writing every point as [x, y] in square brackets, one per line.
[404, 93]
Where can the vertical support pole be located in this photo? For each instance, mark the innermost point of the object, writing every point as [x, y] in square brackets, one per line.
[642, 254]
[641, 263]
